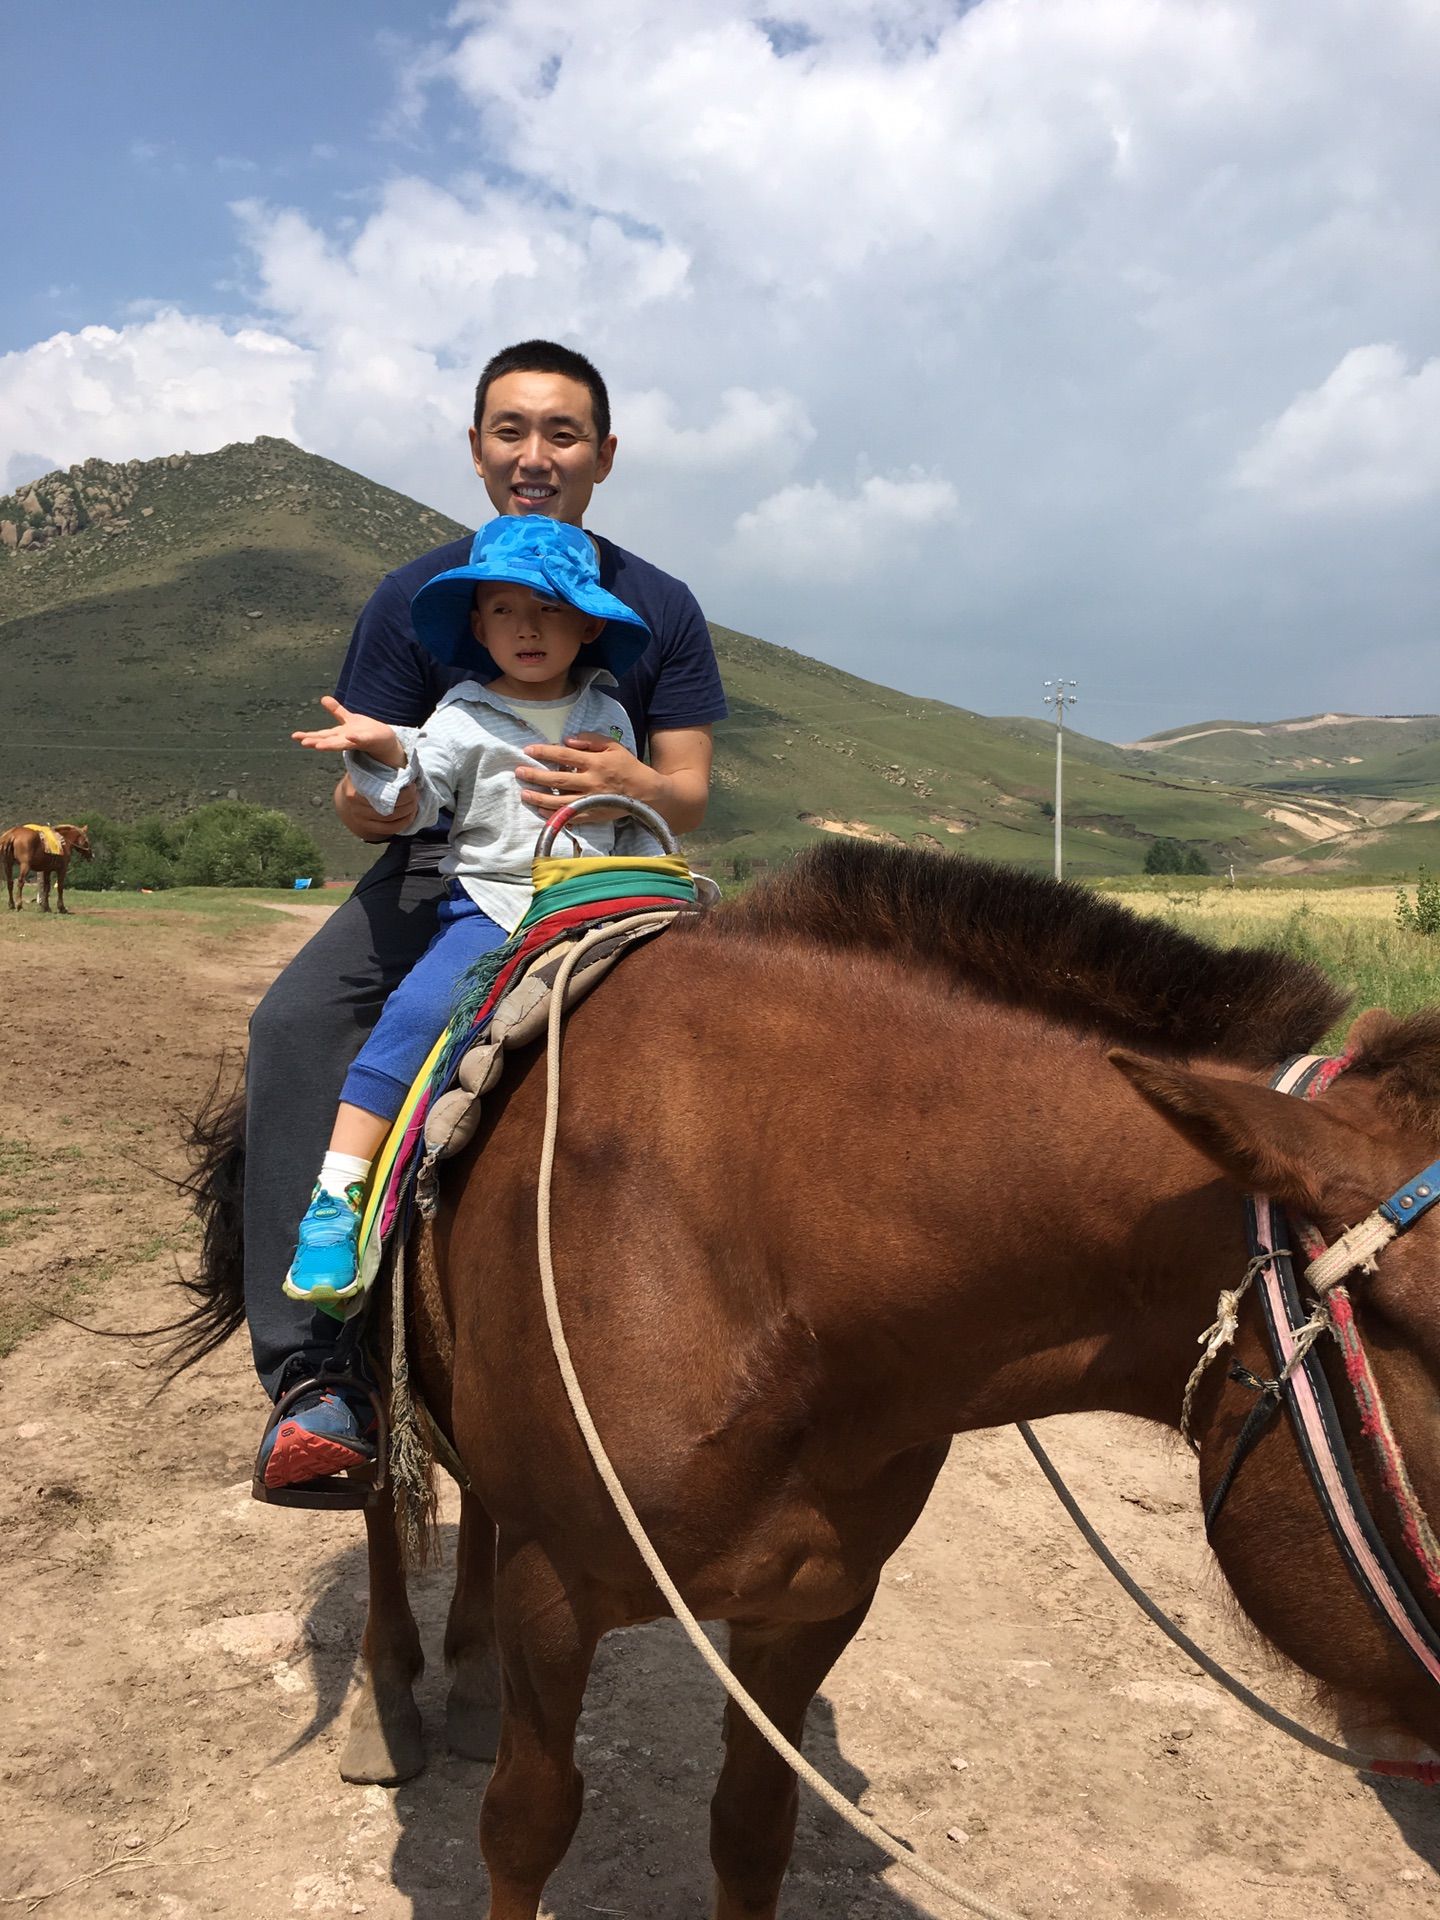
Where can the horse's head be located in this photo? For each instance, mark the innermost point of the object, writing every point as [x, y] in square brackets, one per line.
[78, 840]
[1331, 1162]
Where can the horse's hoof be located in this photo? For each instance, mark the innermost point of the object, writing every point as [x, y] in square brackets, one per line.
[384, 1746]
[472, 1727]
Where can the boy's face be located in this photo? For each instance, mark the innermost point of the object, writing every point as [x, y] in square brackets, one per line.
[534, 642]
[536, 448]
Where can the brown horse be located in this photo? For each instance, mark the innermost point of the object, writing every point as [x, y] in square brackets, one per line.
[846, 1168]
[24, 847]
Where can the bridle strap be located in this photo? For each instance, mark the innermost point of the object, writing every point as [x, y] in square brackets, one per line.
[1267, 1405]
[1316, 1424]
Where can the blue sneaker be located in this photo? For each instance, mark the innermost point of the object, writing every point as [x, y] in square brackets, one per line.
[324, 1268]
[327, 1432]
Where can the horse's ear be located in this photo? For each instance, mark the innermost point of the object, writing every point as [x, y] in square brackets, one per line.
[1369, 1028]
[1266, 1142]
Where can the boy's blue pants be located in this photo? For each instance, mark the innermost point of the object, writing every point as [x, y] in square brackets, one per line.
[418, 1011]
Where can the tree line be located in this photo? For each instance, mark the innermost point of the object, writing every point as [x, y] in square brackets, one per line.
[229, 843]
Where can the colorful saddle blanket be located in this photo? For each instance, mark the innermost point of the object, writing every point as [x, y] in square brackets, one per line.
[49, 838]
[571, 896]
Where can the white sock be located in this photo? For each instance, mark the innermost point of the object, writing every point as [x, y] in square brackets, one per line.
[341, 1170]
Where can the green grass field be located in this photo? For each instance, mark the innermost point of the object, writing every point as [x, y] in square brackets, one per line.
[1349, 931]
[219, 909]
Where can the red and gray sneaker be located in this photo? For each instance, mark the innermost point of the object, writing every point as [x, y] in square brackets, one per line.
[326, 1432]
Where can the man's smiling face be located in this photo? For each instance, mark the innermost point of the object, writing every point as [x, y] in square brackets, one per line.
[536, 448]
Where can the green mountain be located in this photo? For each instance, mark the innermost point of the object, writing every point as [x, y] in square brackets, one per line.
[165, 624]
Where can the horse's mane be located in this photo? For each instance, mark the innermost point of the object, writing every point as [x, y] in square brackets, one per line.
[1025, 940]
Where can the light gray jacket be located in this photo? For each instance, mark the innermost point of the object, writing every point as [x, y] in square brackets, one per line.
[463, 761]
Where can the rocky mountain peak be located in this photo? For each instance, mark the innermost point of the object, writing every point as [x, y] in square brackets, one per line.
[101, 493]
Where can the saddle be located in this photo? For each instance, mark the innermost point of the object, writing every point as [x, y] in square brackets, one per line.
[49, 838]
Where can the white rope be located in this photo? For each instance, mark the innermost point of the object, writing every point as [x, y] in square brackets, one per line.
[901, 1855]
[1358, 1246]
[1217, 1336]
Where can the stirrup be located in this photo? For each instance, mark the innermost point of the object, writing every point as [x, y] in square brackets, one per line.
[358, 1486]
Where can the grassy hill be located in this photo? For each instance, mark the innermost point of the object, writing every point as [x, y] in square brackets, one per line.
[165, 624]
[1317, 751]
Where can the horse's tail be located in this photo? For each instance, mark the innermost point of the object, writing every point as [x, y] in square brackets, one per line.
[216, 1190]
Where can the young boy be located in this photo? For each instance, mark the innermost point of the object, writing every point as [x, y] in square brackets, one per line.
[524, 611]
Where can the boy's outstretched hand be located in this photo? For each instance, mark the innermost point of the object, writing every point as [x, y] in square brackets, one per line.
[357, 733]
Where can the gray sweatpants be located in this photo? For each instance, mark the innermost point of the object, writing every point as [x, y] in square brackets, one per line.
[303, 1036]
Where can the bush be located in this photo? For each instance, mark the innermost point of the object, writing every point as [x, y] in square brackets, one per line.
[144, 864]
[1424, 915]
[1173, 856]
[1165, 856]
[232, 844]
[107, 841]
[227, 844]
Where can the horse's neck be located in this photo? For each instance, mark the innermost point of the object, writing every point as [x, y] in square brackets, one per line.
[1061, 1256]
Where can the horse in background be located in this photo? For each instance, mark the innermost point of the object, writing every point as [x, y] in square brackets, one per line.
[29, 849]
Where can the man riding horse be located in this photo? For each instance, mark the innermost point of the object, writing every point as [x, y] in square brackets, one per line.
[541, 443]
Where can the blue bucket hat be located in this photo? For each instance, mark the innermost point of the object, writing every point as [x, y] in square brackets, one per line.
[550, 557]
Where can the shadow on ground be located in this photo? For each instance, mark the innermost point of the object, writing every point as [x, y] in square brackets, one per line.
[1415, 1809]
[649, 1746]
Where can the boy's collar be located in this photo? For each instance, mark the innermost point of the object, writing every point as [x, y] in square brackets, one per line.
[481, 690]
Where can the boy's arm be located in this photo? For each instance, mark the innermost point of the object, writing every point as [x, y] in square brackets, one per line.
[383, 674]
[435, 760]
[365, 821]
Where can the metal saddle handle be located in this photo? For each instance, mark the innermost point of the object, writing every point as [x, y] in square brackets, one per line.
[587, 803]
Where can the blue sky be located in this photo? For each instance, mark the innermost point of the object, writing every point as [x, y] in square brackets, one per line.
[140, 124]
[961, 345]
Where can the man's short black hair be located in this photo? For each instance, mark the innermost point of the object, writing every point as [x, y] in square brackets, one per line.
[547, 356]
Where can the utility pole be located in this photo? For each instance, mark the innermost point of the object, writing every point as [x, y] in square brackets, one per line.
[1059, 694]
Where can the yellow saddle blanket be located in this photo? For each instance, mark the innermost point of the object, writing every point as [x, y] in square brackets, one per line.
[51, 839]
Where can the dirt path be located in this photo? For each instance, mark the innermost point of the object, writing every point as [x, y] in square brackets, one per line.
[176, 1657]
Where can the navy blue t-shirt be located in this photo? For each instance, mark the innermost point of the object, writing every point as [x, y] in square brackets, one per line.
[389, 675]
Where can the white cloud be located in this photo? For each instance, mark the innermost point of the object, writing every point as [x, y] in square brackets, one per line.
[933, 132]
[438, 270]
[1036, 269]
[762, 431]
[815, 535]
[171, 382]
[1367, 437]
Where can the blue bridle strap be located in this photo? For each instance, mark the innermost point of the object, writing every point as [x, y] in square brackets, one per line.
[1417, 1196]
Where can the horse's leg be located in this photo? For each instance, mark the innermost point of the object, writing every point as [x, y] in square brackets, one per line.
[384, 1743]
[9, 864]
[472, 1711]
[752, 1816]
[42, 887]
[532, 1805]
[60, 906]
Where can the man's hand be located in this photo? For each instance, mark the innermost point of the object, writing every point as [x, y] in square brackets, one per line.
[355, 733]
[676, 783]
[360, 818]
[582, 763]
